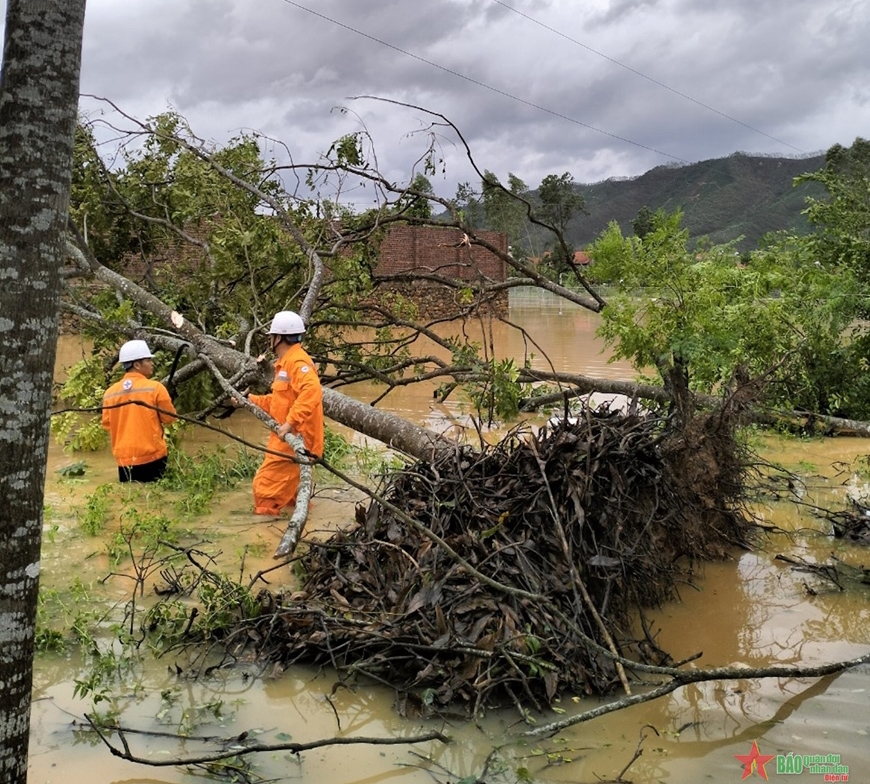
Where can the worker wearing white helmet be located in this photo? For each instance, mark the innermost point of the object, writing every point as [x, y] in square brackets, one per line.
[135, 410]
[296, 403]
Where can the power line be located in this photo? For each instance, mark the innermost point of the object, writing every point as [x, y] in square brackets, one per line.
[643, 75]
[483, 84]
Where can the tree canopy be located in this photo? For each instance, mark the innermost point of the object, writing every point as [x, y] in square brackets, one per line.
[842, 217]
[244, 245]
[221, 237]
[705, 314]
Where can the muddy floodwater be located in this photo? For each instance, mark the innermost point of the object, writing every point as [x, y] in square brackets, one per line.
[753, 610]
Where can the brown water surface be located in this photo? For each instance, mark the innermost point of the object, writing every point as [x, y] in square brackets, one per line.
[749, 611]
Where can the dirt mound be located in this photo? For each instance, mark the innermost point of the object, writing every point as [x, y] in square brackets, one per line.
[500, 576]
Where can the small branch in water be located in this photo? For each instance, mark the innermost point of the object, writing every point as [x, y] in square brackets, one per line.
[683, 678]
[637, 752]
[241, 745]
[826, 571]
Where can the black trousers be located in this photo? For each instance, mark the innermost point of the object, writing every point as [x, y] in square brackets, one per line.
[147, 472]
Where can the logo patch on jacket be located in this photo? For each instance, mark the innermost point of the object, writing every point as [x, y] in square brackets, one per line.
[128, 384]
[303, 369]
[282, 375]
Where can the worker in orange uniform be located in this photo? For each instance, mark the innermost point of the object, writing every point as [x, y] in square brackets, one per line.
[296, 403]
[136, 431]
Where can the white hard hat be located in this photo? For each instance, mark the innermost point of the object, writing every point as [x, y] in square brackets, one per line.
[133, 350]
[287, 323]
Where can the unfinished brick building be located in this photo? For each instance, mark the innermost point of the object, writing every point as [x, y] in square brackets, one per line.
[442, 251]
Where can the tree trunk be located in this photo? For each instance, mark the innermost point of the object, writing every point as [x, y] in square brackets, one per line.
[39, 88]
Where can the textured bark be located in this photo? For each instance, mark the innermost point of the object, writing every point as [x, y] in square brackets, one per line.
[39, 88]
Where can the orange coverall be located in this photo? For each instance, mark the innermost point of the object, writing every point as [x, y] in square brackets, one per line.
[296, 398]
[136, 431]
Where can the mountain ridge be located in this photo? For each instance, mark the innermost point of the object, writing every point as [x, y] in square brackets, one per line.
[738, 198]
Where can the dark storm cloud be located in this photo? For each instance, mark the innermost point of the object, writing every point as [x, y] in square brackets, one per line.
[603, 88]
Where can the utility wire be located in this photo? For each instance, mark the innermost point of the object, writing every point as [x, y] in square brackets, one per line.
[643, 75]
[484, 84]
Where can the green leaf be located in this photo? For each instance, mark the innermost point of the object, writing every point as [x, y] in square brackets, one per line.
[73, 469]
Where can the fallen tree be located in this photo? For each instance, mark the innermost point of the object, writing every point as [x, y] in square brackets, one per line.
[517, 574]
[477, 577]
[493, 576]
[386, 358]
[574, 385]
[275, 245]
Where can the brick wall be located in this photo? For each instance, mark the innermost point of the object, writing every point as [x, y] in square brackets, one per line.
[440, 250]
[436, 302]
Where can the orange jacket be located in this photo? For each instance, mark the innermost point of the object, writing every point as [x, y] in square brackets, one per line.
[136, 431]
[297, 398]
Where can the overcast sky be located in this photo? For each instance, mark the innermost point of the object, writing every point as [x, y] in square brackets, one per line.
[598, 88]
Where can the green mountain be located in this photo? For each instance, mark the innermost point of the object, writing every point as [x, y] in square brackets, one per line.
[724, 199]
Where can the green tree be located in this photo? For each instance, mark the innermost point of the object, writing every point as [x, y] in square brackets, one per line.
[416, 203]
[212, 210]
[698, 316]
[643, 222]
[94, 205]
[39, 88]
[470, 205]
[842, 219]
[559, 203]
[826, 370]
[841, 245]
[233, 261]
[559, 200]
[505, 208]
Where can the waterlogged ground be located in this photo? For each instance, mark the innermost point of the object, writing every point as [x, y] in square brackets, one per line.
[753, 610]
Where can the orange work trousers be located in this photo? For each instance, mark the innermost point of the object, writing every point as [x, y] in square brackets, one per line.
[276, 484]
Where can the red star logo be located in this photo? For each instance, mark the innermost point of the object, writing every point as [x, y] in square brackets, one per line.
[754, 762]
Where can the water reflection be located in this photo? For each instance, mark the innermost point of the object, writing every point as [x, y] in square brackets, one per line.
[757, 611]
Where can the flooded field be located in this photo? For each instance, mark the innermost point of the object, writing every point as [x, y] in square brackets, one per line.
[753, 610]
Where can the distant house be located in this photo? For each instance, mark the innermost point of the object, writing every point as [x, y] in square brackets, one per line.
[581, 258]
